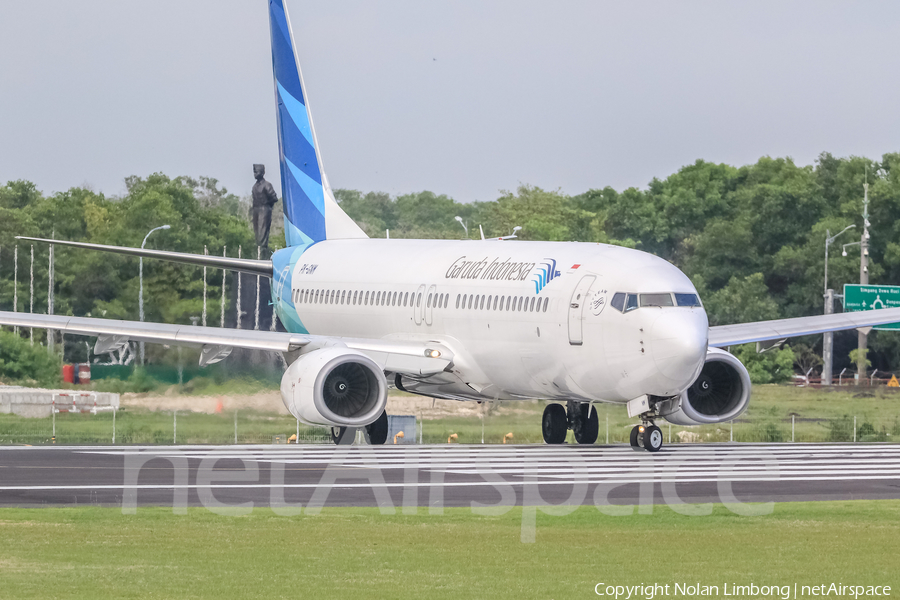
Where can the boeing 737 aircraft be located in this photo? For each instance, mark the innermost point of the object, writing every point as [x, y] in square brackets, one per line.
[486, 320]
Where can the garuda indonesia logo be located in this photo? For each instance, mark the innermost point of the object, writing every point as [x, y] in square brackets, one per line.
[546, 273]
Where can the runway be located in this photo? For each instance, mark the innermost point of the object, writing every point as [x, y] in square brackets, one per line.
[434, 476]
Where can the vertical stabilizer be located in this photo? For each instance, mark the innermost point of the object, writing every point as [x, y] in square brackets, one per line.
[311, 213]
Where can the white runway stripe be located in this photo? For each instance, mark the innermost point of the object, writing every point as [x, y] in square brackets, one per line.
[473, 466]
[423, 484]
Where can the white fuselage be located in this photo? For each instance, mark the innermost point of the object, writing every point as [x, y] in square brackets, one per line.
[523, 319]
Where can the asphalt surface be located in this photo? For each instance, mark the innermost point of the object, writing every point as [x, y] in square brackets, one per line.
[288, 477]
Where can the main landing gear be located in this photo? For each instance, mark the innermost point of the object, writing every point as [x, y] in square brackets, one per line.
[376, 432]
[580, 417]
[646, 436]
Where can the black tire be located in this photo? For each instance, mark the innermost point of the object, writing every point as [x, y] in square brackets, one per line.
[586, 428]
[339, 436]
[554, 424]
[653, 439]
[635, 435]
[377, 431]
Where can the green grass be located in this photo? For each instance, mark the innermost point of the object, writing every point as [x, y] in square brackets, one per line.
[820, 416]
[155, 427]
[100, 553]
[141, 382]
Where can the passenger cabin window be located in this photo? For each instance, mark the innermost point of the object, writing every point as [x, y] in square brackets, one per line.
[656, 300]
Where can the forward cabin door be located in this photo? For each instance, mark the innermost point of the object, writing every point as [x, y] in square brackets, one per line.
[576, 309]
[429, 301]
[418, 305]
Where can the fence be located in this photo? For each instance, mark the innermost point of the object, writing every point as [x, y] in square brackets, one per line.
[247, 427]
[845, 381]
[163, 427]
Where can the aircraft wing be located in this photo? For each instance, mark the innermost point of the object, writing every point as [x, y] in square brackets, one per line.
[410, 357]
[761, 331]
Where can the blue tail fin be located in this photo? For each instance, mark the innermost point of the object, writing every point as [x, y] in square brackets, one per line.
[310, 211]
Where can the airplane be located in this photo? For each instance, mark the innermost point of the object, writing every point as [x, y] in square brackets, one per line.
[481, 320]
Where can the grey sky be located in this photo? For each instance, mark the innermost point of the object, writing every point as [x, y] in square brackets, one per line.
[462, 98]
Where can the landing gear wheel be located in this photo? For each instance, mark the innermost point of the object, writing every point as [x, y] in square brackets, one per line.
[585, 428]
[554, 424]
[377, 431]
[635, 437]
[339, 433]
[653, 438]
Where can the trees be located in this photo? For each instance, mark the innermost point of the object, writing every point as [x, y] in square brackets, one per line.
[100, 284]
[751, 237]
[20, 362]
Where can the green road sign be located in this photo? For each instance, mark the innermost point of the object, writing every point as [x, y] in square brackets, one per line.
[872, 297]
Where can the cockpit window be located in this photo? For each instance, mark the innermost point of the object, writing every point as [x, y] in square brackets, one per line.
[627, 302]
[631, 302]
[687, 300]
[656, 300]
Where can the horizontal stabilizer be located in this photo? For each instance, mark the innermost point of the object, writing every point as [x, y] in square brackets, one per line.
[244, 265]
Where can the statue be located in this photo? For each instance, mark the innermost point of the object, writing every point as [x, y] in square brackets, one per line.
[264, 198]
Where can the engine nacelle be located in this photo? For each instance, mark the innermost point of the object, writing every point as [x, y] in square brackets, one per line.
[334, 387]
[720, 393]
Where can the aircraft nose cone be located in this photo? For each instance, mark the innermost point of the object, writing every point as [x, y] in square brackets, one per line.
[678, 340]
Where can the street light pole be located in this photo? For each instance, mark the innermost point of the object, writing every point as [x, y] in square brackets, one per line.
[828, 340]
[463, 226]
[863, 335]
[141, 278]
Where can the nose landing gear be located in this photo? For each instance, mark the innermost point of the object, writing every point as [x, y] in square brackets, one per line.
[580, 417]
[646, 436]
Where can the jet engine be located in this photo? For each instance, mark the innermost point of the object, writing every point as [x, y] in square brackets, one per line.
[720, 393]
[334, 387]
